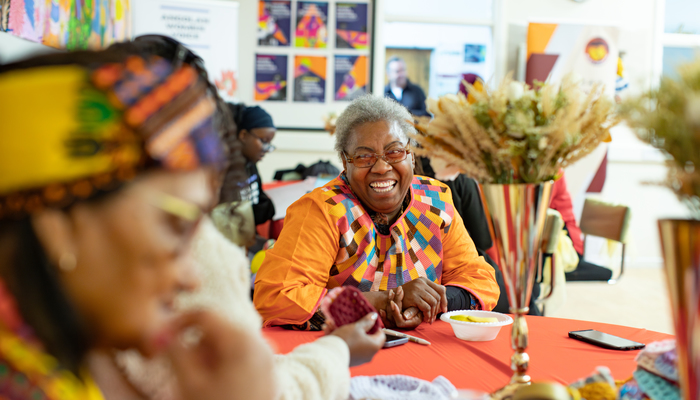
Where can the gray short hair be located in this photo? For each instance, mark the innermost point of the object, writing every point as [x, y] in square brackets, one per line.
[370, 108]
[394, 59]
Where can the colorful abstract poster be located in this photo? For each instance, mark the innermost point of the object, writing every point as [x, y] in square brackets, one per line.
[351, 77]
[270, 77]
[67, 24]
[312, 29]
[351, 26]
[310, 79]
[589, 51]
[274, 23]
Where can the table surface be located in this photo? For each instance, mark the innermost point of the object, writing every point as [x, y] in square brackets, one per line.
[486, 365]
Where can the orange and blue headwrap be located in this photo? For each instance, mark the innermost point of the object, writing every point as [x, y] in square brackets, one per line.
[68, 132]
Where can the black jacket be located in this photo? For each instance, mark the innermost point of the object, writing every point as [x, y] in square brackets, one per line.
[413, 98]
[263, 209]
[467, 201]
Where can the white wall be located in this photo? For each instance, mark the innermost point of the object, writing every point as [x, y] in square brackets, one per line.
[13, 48]
[298, 147]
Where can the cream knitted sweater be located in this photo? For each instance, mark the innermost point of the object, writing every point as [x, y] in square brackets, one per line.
[314, 371]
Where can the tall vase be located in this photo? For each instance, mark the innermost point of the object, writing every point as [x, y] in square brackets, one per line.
[680, 243]
[518, 213]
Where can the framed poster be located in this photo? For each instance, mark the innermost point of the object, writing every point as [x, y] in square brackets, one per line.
[207, 27]
[351, 26]
[270, 77]
[310, 79]
[351, 77]
[312, 27]
[327, 64]
[274, 23]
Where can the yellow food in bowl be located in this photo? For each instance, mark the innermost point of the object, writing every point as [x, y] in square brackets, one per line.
[471, 318]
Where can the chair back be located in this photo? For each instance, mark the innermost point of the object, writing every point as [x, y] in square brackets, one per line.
[605, 220]
[550, 234]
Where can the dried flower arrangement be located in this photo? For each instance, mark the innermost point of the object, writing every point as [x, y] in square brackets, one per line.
[515, 134]
[669, 119]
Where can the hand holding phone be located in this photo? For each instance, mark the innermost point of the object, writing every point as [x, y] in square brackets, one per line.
[605, 340]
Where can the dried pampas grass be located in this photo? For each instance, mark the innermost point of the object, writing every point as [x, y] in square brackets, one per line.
[516, 134]
[669, 119]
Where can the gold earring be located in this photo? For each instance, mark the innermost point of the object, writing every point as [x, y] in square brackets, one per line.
[67, 262]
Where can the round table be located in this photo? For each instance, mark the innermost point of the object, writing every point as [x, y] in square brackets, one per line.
[486, 365]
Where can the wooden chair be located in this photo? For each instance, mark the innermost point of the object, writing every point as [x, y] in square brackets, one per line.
[608, 221]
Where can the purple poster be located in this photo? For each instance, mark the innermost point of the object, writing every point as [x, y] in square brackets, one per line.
[270, 77]
[274, 23]
[351, 22]
[351, 77]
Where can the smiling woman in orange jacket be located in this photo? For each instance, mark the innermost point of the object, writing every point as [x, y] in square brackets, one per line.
[393, 235]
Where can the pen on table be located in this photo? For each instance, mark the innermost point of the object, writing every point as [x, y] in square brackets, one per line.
[410, 338]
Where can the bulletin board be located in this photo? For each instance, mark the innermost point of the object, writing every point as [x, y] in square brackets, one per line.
[207, 27]
[311, 59]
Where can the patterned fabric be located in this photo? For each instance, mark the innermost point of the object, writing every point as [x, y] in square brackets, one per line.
[371, 261]
[73, 131]
[26, 372]
[329, 239]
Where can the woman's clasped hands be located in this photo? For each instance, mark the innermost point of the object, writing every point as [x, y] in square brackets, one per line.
[405, 307]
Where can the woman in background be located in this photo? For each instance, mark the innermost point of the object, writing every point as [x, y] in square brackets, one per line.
[255, 132]
[99, 199]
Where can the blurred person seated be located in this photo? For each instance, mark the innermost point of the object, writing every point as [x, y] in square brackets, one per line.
[395, 236]
[255, 132]
[402, 90]
[561, 201]
[253, 207]
[99, 200]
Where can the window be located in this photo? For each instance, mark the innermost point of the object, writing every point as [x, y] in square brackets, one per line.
[681, 37]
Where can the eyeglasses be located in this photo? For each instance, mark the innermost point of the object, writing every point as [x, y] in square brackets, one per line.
[368, 160]
[176, 206]
[266, 146]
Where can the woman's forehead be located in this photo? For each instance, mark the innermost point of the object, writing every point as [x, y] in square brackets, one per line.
[377, 135]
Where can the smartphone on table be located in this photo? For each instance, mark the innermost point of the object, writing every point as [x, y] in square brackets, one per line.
[605, 340]
[393, 340]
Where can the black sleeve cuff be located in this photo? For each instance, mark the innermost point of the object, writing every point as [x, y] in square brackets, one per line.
[461, 299]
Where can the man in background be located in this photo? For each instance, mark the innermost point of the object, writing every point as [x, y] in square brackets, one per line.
[402, 90]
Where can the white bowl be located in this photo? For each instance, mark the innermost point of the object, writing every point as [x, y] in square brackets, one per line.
[477, 331]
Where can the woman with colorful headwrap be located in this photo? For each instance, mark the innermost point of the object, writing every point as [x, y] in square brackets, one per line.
[107, 161]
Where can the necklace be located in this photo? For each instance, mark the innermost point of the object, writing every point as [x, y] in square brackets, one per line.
[381, 221]
[26, 370]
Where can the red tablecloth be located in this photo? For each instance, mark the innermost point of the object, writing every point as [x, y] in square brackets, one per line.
[486, 365]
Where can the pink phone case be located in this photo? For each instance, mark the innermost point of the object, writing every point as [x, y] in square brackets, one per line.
[345, 305]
